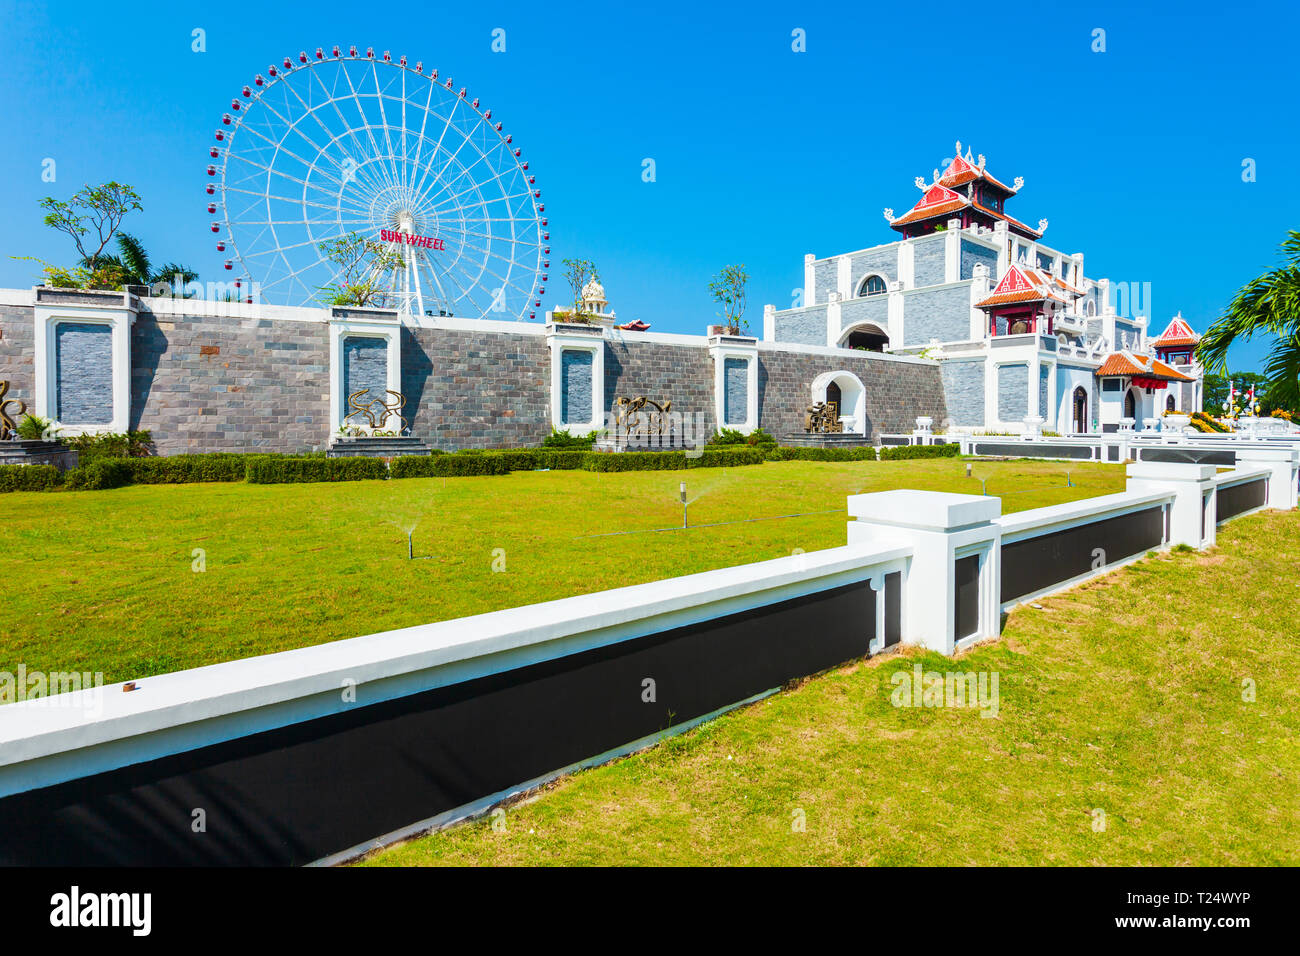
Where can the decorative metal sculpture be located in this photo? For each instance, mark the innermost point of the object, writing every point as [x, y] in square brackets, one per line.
[641, 417]
[823, 418]
[8, 426]
[367, 409]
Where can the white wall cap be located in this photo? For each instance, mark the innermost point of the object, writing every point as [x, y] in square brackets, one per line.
[928, 510]
[1241, 475]
[1170, 471]
[1041, 519]
[33, 729]
[1268, 454]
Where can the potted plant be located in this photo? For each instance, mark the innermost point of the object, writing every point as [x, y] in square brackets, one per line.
[728, 290]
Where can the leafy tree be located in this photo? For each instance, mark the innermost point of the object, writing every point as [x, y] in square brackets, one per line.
[1216, 388]
[728, 290]
[91, 217]
[1267, 305]
[361, 261]
[578, 272]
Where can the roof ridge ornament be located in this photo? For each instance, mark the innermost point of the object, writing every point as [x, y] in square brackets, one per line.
[981, 162]
[958, 153]
[889, 213]
[1042, 226]
[920, 183]
[1020, 183]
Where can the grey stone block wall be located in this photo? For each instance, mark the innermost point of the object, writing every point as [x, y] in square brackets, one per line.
[896, 392]
[202, 383]
[365, 367]
[575, 385]
[826, 279]
[928, 261]
[476, 389]
[1044, 371]
[17, 345]
[677, 373]
[873, 309]
[1013, 392]
[973, 254]
[963, 390]
[882, 262]
[735, 383]
[942, 314]
[83, 373]
[806, 326]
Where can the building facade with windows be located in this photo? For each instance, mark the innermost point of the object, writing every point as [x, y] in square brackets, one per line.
[1019, 328]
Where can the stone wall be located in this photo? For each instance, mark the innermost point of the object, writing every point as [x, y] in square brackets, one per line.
[881, 262]
[942, 314]
[974, 253]
[806, 326]
[963, 390]
[1013, 392]
[469, 389]
[874, 309]
[928, 262]
[678, 373]
[205, 383]
[17, 330]
[896, 392]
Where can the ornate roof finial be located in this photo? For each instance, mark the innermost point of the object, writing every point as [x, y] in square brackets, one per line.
[981, 163]
[968, 159]
[959, 149]
[920, 183]
[1042, 226]
[889, 214]
[1020, 183]
[936, 174]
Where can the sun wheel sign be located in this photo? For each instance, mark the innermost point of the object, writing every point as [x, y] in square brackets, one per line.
[345, 143]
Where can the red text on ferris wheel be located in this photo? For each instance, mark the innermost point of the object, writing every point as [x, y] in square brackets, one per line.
[425, 242]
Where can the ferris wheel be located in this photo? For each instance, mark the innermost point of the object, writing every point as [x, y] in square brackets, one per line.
[351, 169]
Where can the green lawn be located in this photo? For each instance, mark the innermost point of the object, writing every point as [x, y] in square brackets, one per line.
[102, 580]
[1124, 696]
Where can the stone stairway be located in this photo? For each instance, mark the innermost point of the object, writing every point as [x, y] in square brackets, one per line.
[376, 447]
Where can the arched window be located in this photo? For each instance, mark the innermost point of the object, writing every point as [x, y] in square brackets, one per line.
[872, 285]
[1169, 403]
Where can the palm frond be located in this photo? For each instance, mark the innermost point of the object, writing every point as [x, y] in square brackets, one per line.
[134, 257]
[1267, 305]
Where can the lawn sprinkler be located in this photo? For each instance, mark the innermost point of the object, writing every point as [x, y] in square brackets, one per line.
[685, 516]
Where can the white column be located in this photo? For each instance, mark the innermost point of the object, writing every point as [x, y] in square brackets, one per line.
[809, 280]
[906, 264]
[769, 323]
[941, 529]
[952, 251]
[1194, 514]
[833, 325]
[1284, 473]
[844, 277]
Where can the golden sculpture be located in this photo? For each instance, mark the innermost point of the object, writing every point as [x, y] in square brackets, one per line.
[7, 424]
[641, 417]
[367, 409]
[823, 418]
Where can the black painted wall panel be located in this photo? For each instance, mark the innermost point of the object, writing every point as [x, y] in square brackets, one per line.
[1233, 500]
[303, 792]
[1032, 564]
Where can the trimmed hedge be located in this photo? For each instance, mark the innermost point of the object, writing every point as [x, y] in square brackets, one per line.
[456, 465]
[100, 474]
[672, 460]
[177, 469]
[821, 454]
[29, 477]
[272, 471]
[919, 451]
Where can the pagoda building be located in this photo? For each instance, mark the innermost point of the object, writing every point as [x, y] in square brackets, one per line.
[1026, 340]
[967, 192]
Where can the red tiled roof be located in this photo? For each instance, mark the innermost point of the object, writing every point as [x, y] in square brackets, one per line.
[1176, 333]
[961, 171]
[1027, 284]
[1128, 363]
[636, 325]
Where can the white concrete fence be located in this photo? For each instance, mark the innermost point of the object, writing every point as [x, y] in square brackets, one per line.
[925, 568]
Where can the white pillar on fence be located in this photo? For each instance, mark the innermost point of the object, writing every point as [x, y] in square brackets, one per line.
[942, 529]
[1284, 467]
[1193, 515]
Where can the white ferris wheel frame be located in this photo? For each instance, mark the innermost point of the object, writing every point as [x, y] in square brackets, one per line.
[470, 233]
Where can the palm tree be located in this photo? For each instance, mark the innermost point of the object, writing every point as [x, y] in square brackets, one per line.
[136, 269]
[1267, 305]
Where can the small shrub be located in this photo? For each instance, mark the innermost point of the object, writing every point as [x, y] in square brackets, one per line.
[563, 440]
[110, 445]
[32, 427]
[919, 451]
[98, 475]
[29, 477]
[269, 470]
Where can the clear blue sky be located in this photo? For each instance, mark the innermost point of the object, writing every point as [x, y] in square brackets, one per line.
[762, 153]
